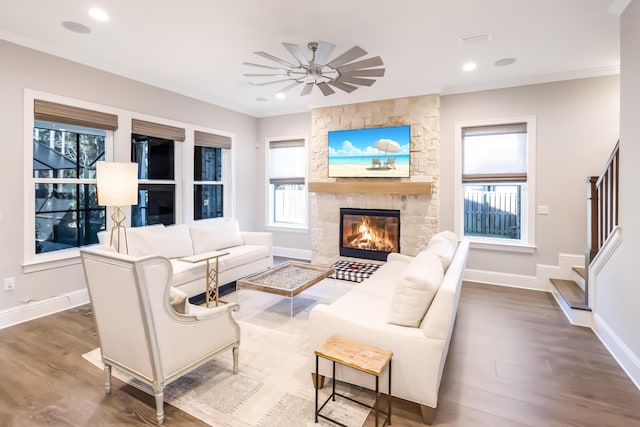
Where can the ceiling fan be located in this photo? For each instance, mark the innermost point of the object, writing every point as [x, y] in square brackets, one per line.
[341, 72]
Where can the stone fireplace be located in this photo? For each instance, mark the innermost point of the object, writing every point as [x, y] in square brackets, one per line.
[418, 213]
[369, 233]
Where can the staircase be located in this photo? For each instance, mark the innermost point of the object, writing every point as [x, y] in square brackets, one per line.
[572, 294]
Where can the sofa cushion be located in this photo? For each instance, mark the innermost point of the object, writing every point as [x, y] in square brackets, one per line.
[416, 290]
[215, 234]
[383, 282]
[171, 242]
[241, 255]
[443, 245]
[178, 300]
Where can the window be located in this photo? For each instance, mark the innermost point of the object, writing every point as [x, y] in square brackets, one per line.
[153, 147]
[287, 191]
[66, 144]
[211, 169]
[495, 198]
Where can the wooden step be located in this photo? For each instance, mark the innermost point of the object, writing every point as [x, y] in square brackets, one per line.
[571, 292]
[581, 271]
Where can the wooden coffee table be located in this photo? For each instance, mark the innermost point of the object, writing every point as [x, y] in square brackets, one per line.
[287, 279]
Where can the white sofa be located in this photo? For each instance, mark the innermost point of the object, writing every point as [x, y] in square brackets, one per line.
[249, 251]
[407, 306]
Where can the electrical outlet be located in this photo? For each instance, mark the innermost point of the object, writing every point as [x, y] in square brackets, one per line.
[9, 284]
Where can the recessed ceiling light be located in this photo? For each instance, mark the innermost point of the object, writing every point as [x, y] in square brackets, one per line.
[262, 99]
[76, 27]
[504, 62]
[280, 95]
[469, 66]
[99, 14]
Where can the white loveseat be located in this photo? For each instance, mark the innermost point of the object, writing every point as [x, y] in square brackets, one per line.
[249, 251]
[407, 306]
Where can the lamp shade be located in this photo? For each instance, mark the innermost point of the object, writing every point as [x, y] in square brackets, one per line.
[117, 183]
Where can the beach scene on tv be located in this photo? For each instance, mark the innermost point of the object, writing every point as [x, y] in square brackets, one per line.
[369, 153]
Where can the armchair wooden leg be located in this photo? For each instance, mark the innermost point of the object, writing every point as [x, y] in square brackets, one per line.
[159, 395]
[107, 379]
[428, 414]
[320, 380]
[235, 359]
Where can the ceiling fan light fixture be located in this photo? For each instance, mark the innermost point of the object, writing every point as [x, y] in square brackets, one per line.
[342, 72]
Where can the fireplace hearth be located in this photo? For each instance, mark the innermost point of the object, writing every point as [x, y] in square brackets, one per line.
[369, 233]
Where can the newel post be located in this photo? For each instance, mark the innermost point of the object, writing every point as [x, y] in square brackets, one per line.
[592, 223]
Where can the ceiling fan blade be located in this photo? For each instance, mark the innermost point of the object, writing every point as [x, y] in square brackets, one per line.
[306, 90]
[276, 59]
[343, 86]
[292, 85]
[365, 63]
[297, 53]
[348, 56]
[326, 89]
[356, 81]
[372, 72]
[323, 53]
[270, 83]
[264, 66]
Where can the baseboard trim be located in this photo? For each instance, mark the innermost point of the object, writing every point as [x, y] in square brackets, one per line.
[504, 279]
[627, 360]
[36, 309]
[292, 252]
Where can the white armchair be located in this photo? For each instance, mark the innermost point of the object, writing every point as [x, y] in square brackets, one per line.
[140, 331]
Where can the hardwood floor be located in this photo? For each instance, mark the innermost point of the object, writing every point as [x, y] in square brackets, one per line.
[514, 361]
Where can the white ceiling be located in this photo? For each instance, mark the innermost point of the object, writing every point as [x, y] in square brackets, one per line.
[197, 47]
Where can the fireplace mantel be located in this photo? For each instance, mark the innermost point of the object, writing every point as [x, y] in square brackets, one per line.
[371, 186]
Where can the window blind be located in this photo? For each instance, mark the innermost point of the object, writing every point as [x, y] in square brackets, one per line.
[287, 162]
[60, 113]
[495, 153]
[206, 139]
[157, 130]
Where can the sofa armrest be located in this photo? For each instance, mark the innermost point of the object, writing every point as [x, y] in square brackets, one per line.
[416, 358]
[202, 313]
[262, 238]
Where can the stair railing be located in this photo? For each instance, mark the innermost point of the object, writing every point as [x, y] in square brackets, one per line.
[602, 209]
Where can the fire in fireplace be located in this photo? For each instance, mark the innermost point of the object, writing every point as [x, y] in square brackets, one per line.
[369, 233]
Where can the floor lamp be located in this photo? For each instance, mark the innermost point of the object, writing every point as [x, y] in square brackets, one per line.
[117, 187]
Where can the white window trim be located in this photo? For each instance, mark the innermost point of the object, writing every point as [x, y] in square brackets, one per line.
[228, 176]
[32, 261]
[117, 148]
[269, 224]
[527, 241]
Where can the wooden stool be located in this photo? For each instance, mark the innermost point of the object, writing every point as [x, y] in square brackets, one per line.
[357, 355]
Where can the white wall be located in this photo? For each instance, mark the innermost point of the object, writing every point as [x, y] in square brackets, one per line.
[577, 127]
[617, 294]
[28, 69]
[298, 243]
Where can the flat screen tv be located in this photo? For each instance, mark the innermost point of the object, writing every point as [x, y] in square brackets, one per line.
[381, 152]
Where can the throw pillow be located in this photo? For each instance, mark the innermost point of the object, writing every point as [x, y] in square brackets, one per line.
[215, 235]
[170, 242]
[443, 245]
[178, 300]
[415, 292]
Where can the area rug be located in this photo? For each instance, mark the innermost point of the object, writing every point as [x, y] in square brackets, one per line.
[273, 387]
[353, 271]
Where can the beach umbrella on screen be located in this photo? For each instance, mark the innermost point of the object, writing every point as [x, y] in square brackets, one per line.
[387, 145]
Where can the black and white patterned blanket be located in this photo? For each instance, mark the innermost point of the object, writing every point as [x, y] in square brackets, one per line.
[353, 271]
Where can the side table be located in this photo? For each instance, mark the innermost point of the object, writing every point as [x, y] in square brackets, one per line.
[211, 291]
[356, 355]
